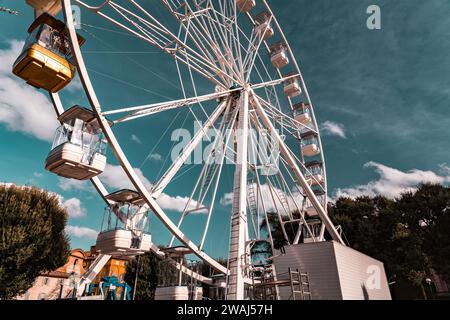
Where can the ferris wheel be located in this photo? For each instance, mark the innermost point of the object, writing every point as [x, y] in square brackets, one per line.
[258, 108]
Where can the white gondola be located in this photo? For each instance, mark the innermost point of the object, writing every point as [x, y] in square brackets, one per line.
[310, 211]
[172, 293]
[314, 173]
[245, 5]
[79, 148]
[310, 145]
[125, 225]
[314, 226]
[52, 7]
[219, 89]
[279, 56]
[292, 88]
[179, 291]
[263, 27]
[302, 113]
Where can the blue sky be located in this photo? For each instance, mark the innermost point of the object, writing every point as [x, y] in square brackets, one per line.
[381, 99]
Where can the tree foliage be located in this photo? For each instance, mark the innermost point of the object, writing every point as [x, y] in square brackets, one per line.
[32, 237]
[427, 213]
[152, 271]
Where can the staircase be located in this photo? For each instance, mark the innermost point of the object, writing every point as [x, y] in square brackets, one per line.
[252, 204]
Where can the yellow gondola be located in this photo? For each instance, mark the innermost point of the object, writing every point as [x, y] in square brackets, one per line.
[45, 60]
[52, 7]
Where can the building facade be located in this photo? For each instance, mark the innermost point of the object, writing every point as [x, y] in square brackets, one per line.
[58, 284]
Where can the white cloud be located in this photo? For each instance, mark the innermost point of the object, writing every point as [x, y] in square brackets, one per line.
[115, 178]
[136, 139]
[155, 156]
[72, 184]
[38, 174]
[74, 208]
[9, 184]
[22, 107]
[177, 203]
[391, 182]
[81, 232]
[75, 84]
[333, 129]
[227, 199]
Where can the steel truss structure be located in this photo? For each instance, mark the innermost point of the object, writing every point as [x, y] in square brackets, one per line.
[216, 41]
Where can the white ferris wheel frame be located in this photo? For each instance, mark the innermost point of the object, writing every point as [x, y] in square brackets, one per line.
[134, 112]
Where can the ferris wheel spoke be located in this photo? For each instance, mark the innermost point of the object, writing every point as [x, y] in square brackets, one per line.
[204, 36]
[156, 34]
[190, 52]
[223, 150]
[216, 28]
[229, 24]
[254, 50]
[210, 172]
[209, 31]
[150, 109]
[191, 32]
[274, 82]
[212, 33]
[287, 153]
[176, 165]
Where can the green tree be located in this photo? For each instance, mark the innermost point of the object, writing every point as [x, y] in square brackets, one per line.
[32, 237]
[152, 271]
[427, 213]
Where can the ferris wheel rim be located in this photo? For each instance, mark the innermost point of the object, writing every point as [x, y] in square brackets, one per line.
[136, 180]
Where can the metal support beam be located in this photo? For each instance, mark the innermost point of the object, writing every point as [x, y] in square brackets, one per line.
[237, 255]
